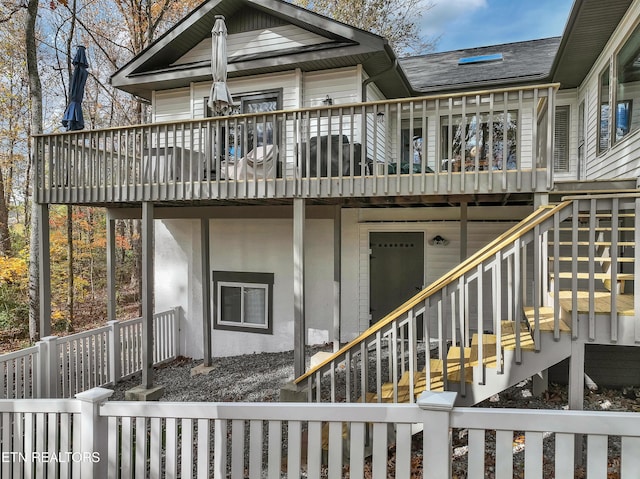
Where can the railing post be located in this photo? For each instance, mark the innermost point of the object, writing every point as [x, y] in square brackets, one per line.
[176, 332]
[436, 436]
[115, 352]
[93, 428]
[48, 367]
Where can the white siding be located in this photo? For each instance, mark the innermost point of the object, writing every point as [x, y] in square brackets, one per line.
[255, 42]
[171, 105]
[358, 224]
[623, 159]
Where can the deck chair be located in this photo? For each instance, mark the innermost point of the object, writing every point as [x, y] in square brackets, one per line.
[257, 164]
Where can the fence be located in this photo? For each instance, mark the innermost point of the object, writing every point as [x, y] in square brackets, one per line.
[89, 437]
[62, 367]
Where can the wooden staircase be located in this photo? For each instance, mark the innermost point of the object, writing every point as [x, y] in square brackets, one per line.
[551, 275]
[471, 361]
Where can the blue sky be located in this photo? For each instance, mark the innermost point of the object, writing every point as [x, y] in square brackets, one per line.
[475, 23]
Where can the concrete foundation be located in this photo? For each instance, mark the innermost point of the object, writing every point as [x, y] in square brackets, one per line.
[201, 369]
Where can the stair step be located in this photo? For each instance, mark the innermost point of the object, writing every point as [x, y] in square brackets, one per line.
[582, 259]
[599, 276]
[489, 342]
[598, 228]
[602, 300]
[546, 319]
[509, 336]
[596, 243]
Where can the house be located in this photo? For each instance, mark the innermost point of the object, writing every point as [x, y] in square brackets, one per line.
[347, 183]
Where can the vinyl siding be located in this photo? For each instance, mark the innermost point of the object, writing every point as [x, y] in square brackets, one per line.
[622, 159]
[255, 42]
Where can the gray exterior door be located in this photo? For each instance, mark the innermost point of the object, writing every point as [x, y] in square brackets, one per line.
[396, 270]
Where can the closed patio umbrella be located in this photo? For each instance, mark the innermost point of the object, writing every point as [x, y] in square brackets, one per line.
[220, 99]
[73, 119]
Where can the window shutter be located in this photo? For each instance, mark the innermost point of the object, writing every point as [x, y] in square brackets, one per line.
[561, 143]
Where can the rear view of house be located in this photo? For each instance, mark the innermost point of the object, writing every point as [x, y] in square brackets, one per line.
[482, 200]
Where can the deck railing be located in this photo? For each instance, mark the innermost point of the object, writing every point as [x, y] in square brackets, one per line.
[476, 142]
[99, 439]
[64, 366]
[563, 257]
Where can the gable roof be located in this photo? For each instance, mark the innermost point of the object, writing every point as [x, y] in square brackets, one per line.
[522, 62]
[163, 64]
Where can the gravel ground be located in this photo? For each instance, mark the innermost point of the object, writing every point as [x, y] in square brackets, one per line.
[258, 378]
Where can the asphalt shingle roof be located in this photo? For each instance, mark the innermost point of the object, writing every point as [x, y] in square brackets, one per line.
[522, 62]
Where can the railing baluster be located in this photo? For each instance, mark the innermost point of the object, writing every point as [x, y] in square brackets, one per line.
[613, 268]
[592, 267]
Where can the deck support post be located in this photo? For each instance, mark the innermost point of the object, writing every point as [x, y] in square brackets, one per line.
[111, 269]
[147, 294]
[463, 230]
[299, 327]
[576, 389]
[337, 254]
[44, 267]
[206, 291]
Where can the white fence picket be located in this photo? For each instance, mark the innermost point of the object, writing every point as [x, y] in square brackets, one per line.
[155, 439]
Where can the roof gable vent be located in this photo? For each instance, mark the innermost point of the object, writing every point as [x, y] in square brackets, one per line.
[494, 57]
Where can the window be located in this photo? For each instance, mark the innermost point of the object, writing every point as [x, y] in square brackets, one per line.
[603, 114]
[561, 141]
[243, 301]
[628, 85]
[481, 139]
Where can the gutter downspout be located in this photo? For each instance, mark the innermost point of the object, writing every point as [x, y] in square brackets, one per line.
[366, 81]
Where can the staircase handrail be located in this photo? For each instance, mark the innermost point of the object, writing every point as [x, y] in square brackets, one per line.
[508, 237]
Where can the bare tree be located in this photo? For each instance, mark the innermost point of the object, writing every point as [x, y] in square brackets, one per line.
[396, 20]
[35, 90]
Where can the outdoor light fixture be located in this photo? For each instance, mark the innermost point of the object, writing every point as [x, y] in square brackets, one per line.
[327, 101]
[438, 241]
[380, 117]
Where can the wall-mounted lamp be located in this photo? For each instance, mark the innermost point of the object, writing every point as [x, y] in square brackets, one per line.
[380, 117]
[438, 241]
[327, 101]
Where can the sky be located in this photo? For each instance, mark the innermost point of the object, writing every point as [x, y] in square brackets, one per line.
[474, 23]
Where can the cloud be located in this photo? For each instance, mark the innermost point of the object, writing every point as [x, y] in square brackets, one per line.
[447, 12]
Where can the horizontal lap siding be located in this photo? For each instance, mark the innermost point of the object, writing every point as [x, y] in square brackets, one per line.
[343, 87]
[620, 161]
[254, 42]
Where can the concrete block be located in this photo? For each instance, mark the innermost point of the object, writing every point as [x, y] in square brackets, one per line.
[201, 369]
[140, 393]
[291, 392]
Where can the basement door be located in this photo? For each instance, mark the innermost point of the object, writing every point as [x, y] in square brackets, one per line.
[396, 270]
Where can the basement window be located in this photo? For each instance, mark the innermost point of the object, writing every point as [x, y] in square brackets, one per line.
[243, 301]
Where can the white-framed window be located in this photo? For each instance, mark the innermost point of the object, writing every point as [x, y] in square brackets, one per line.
[561, 147]
[604, 113]
[627, 91]
[242, 301]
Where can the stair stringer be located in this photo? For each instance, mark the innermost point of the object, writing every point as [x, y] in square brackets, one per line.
[551, 353]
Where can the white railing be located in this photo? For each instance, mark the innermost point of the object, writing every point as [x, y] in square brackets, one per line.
[64, 366]
[264, 440]
[580, 252]
[475, 142]
[19, 374]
